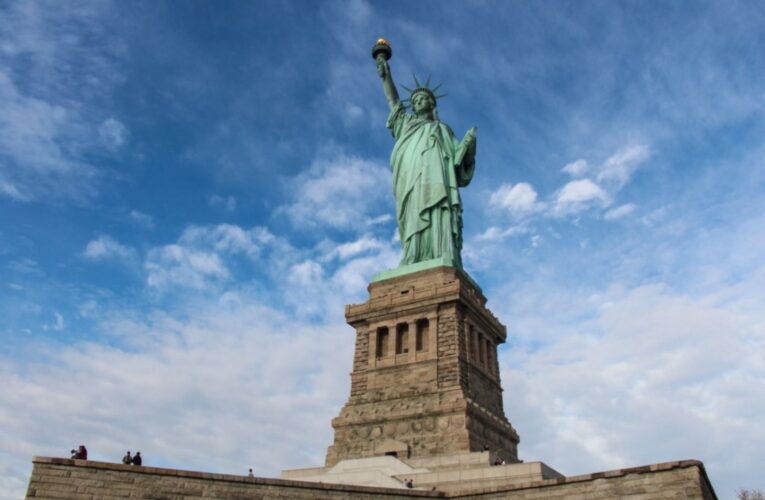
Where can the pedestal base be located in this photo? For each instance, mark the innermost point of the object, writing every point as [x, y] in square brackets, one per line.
[425, 379]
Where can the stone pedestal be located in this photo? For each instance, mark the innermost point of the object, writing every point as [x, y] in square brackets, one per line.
[425, 378]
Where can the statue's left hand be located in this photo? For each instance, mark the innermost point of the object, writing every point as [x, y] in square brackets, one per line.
[470, 138]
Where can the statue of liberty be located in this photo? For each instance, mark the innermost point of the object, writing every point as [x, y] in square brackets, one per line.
[429, 165]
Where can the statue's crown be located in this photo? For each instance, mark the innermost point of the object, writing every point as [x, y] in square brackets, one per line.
[424, 89]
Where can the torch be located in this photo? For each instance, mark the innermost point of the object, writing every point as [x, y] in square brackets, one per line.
[382, 49]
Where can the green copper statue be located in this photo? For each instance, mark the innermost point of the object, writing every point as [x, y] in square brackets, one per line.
[429, 165]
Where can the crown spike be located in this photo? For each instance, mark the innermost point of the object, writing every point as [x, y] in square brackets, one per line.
[416, 81]
[427, 82]
[434, 89]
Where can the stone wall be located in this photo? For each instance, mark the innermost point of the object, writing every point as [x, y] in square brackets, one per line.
[685, 479]
[61, 478]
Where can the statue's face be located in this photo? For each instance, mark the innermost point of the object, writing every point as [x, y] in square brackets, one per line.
[422, 103]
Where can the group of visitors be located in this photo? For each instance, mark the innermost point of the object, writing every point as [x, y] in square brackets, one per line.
[134, 460]
[81, 453]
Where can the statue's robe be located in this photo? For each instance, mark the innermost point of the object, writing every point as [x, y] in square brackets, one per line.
[429, 165]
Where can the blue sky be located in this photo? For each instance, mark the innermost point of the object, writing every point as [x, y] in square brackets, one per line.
[190, 192]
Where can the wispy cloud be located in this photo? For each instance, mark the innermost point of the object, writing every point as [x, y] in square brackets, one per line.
[620, 211]
[519, 198]
[227, 203]
[640, 349]
[618, 168]
[141, 219]
[169, 362]
[603, 186]
[25, 265]
[593, 187]
[113, 133]
[343, 192]
[579, 195]
[198, 259]
[577, 168]
[494, 233]
[106, 247]
[35, 138]
[48, 127]
[58, 323]
[350, 249]
[179, 265]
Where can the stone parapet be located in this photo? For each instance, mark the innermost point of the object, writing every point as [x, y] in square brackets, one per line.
[67, 479]
[685, 479]
[62, 478]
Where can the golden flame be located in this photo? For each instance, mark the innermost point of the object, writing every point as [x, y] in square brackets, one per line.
[383, 41]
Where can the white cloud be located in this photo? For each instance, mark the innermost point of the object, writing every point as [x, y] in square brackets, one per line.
[88, 309]
[113, 133]
[50, 80]
[494, 233]
[188, 387]
[634, 376]
[306, 273]
[227, 203]
[353, 276]
[578, 195]
[319, 286]
[341, 193]
[142, 219]
[350, 249]
[201, 257]
[518, 198]
[581, 194]
[577, 168]
[618, 169]
[58, 324]
[380, 219]
[620, 211]
[105, 247]
[11, 191]
[178, 265]
[227, 238]
[25, 265]
[33, 138]
[353, 113]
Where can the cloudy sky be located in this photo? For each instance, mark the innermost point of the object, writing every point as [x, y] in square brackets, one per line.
[190, 192]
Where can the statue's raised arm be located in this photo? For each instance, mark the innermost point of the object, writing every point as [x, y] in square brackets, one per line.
[429, 165]
[381, 53]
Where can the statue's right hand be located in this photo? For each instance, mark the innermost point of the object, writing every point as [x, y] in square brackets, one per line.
[382, 67]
